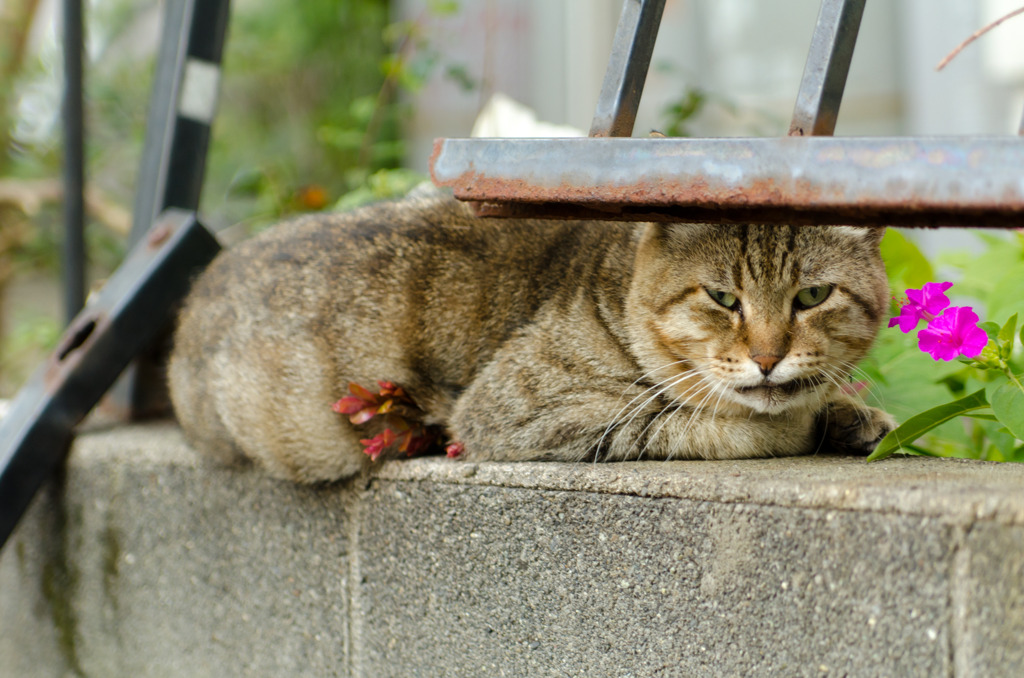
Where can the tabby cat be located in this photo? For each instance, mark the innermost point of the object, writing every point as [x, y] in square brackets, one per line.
[531, 340]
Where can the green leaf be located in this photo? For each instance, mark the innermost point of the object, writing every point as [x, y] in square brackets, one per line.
[1008, 406]
[895, 362]
[918, 451]
[1007, 289]
[1006, 335]
[362, 109]
[906, 266]
[981, 416]
[248, 181]
[342, 138]
[459, 74]
[919, 424]
[443, 7]
[1009, 328]
[992, 329]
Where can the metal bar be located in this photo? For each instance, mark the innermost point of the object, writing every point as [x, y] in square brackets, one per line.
[828, 63]
[119, 322]
[73, 264]
[181, 110]
[627, 68]
[909, 181]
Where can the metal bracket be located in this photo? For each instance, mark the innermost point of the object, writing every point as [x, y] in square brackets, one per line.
[118, 323]
[802, 179]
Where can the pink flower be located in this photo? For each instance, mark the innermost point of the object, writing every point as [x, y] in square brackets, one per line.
[953, 334]
[926, 303]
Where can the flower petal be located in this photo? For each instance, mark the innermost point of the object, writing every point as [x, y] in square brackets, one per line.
[932, 298]
[952, 334]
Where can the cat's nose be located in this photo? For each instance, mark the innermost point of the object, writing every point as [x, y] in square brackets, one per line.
[766, 362]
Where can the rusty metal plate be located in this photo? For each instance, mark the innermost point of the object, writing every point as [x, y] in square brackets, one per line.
[122, 319]
[905, 181]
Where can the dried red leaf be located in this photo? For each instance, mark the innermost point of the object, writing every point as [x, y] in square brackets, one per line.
[391, 403]
[349, 405]
[364, 415]
[360, 392]
[377, 444]
[406, 440]
[454, 449]
[419, 443]
[388, 389]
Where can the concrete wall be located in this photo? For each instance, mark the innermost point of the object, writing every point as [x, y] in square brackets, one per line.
[144, 560]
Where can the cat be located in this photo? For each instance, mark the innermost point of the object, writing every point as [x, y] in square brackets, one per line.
[530, 339]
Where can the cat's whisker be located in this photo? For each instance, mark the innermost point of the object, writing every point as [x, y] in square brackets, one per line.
[718, 402]
[697, 387]
[839, 385]
[626, 408]
[669, 409]
[848, 370]
[698, 410]
[872, 386]
[641, 378]
[668, 383]
[633, 414]
[646, 390]
[835, 376]
[718, 387]
[851, 369]
[824, 434]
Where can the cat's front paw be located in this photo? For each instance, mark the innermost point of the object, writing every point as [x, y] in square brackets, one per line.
[855, 428]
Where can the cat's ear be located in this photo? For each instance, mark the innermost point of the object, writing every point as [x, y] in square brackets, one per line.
[870, 234]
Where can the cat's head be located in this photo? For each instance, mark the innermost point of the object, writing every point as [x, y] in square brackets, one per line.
[761, 318]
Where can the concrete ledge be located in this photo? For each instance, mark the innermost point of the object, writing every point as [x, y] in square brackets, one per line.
[145, 560]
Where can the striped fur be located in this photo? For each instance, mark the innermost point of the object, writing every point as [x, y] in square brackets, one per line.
[529, 340]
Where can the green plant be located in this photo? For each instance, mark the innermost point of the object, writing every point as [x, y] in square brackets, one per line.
[971, 407]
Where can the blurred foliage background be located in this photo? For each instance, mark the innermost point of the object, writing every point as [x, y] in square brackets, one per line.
[310, 118]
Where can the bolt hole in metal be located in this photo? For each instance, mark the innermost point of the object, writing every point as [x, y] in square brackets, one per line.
[76, 340]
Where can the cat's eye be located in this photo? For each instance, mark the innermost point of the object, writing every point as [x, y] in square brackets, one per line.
[724, 299]
[809, 297]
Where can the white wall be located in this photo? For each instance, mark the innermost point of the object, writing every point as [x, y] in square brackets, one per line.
[749, 54]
